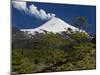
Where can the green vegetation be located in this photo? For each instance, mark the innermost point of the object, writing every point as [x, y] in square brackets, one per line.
[81, 22]
[53, 52]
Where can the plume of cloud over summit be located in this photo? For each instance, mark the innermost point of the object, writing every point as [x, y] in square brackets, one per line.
[19, 5]
[33, 10]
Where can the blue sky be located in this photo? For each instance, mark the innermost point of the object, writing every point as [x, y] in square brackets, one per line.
[34, 14]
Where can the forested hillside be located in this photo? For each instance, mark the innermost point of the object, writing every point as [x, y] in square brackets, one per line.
[66, 51]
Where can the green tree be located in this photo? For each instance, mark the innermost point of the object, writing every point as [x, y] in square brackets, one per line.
[81, 22]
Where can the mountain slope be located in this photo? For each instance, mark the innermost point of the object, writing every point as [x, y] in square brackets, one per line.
[55, 25]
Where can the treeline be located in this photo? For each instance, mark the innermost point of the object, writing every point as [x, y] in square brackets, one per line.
[66, 51]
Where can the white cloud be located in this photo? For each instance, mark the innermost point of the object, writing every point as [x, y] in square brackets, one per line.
[19, 5]
[43, 14]
[33, 10]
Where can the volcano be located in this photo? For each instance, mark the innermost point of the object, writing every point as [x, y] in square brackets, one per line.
[55, 25]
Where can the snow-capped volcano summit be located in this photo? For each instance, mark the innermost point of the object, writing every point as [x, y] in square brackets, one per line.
[55, 25]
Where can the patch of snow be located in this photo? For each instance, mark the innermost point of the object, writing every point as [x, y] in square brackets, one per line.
[55, 25]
